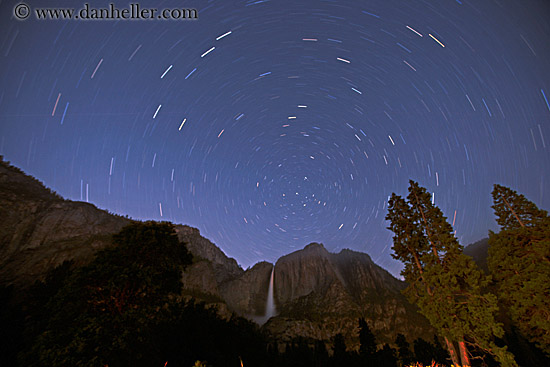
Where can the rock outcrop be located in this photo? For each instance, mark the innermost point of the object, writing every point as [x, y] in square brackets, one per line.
[225, 268]
[39, 230]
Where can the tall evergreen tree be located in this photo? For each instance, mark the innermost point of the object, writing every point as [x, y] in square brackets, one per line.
[443, 282]
[404, 354]
[367, 341]
[386, 356]
[519, 260]
[514, 210]
[320, 354]
[339, 354]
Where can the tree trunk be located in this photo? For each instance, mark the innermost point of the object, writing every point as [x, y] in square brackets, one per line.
[513, 211]
[464, 358]
[452, 352]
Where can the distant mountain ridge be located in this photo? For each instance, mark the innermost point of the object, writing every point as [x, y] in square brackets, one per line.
[479, 251]
[317, 293]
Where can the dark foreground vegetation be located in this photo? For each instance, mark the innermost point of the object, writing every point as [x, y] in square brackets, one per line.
[125, 308]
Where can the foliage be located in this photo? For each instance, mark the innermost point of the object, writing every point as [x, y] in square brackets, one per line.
[104, 311]
[196, 332]
[519, 259]
[386, 356]
[426, 352]
[367, 340]
[125, 309]
[11, 330]
[36, 305]
[513, 210]
[339, 354]
[443, 282]
[404, 354]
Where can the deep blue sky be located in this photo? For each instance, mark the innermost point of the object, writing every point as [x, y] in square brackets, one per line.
[299, 123]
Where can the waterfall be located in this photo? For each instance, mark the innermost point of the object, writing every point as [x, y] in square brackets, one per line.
[270, 307]
[270, 310]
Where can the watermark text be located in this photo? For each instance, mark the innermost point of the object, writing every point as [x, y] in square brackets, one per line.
[134, 11]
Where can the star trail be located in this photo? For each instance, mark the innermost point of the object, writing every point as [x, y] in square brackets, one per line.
[272, 124]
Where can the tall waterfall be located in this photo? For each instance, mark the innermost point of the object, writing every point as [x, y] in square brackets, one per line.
[270, 310]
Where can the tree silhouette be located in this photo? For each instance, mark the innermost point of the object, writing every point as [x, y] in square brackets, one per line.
[386, 356]
[404, 353]
[339, 354]
[367, 341]
[104, 311]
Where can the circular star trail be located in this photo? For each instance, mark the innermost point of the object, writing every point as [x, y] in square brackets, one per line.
[272, 124]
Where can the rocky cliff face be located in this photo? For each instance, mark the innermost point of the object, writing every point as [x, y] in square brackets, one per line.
[247, 294]
[214, 277]
[317, 293]
[224, 268]
[320, 294]
[39, 230]
[302, 272]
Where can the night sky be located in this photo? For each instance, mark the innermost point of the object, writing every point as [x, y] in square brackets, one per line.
[272, 124]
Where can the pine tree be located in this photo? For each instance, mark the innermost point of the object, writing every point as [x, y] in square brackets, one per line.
[513, 210]
[386, 356]
[519, 259]
[339, 354]
[404, 353]
[443, 282]
[367, 341]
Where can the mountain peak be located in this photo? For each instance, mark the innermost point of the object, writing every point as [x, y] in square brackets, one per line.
[315, 246]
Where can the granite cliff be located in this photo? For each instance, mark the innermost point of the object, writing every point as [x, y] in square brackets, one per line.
[39, 229]
[317, 293]
[320, 294]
